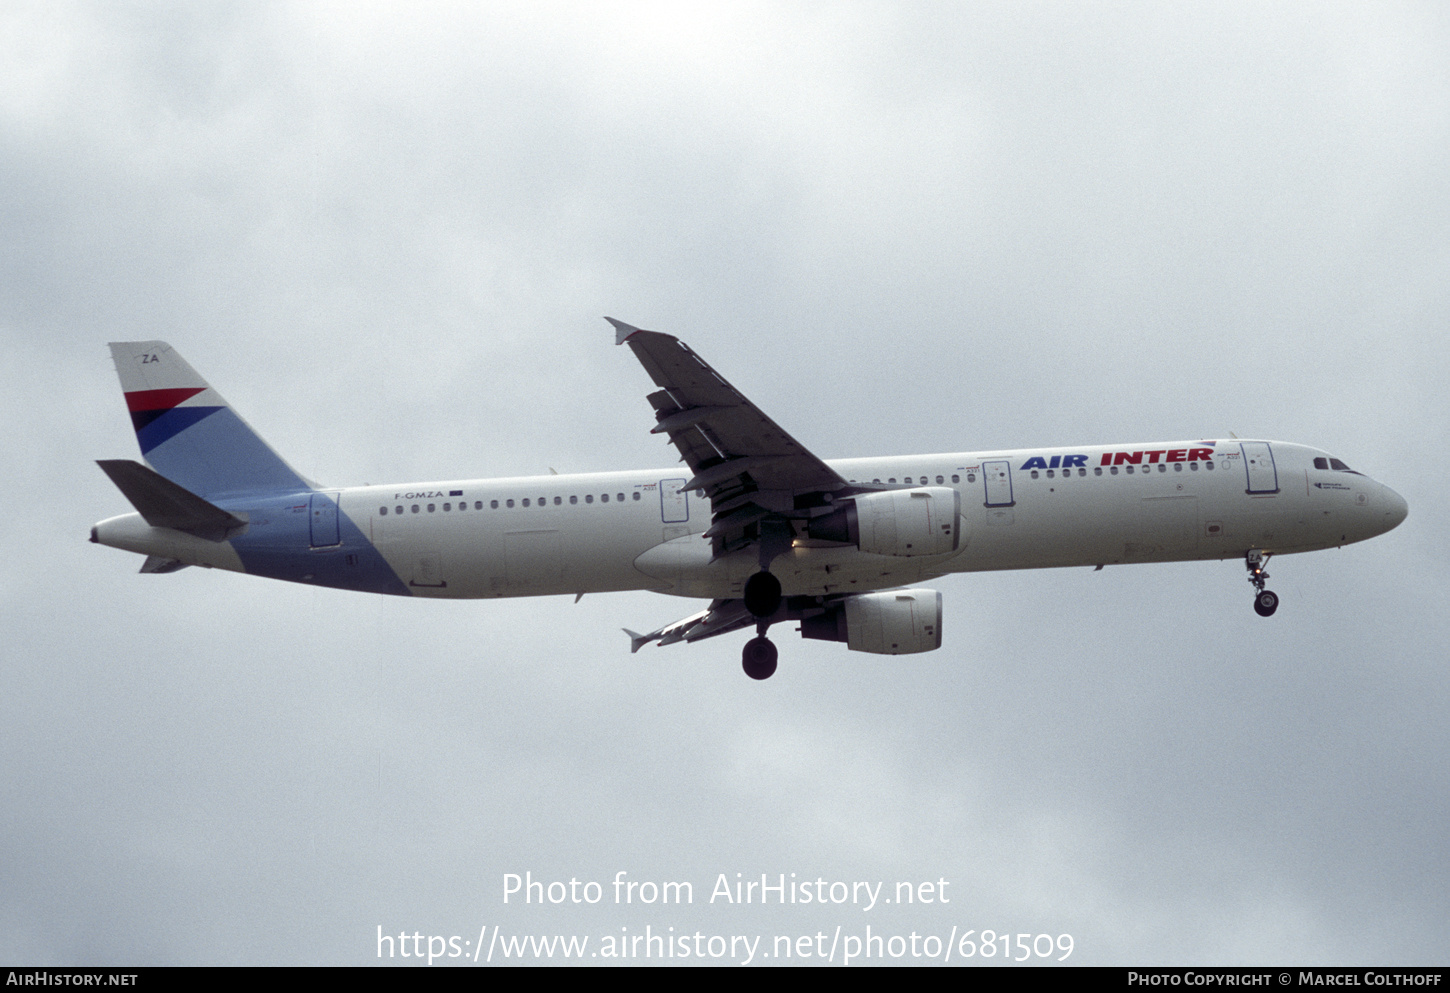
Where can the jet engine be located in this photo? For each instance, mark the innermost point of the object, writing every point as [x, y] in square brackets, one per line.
[921, 521]
[892, 622]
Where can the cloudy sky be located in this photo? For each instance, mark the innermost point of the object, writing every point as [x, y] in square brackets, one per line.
[388, 233]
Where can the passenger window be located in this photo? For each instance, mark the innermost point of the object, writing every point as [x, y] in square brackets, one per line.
[526, 501]
[557, 501]
[604, 498]
[415, 508]
[1034, 473]
[1208, 464]
[1114, 469]
[1097, 470]
[1162, 467]
[509, 504]
[383, 511]
[432, 507]
[573, 499]
[447, 506]
[939, 480]
[398, 509]
[1178, 467]
[589, 498]
[971, 477]
[1081, 471]
[478, 504]
[1193, 466]
[1049, 474]
[636, 494]
[493, 505]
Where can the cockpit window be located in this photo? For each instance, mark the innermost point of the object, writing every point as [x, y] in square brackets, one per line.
[1332, 463]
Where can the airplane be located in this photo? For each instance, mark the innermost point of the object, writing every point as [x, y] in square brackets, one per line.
[756, 523]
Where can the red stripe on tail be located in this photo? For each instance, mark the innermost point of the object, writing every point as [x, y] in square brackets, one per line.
[142, 400]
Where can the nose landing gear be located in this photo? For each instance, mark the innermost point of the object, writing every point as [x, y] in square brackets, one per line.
[1265, 601]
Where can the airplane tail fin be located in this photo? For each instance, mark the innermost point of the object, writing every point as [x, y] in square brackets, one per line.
[187, 432]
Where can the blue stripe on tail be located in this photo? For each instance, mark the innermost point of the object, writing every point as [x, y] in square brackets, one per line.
[212, 451]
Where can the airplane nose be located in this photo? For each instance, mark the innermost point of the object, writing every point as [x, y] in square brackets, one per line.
[1394, 506]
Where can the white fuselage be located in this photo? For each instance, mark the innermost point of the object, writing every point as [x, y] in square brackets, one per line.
[542, 535]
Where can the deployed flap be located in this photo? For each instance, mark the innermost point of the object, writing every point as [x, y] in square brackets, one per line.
[164, 504]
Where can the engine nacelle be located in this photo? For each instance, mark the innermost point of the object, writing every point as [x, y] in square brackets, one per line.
[894, 622]
[921, 521]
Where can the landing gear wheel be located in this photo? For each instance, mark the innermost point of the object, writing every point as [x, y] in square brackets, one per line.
[1266, 603]
[758, 659]
[762, 595]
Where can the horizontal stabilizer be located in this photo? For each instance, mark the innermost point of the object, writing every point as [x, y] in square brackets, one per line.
[160, 563]
[164, 504]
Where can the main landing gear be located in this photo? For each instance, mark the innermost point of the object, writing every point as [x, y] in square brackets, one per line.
[1265, 601]
[762, 598]
[758, 659]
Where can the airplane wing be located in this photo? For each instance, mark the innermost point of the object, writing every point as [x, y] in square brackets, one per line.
[756, 476]
[721, 617]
